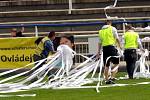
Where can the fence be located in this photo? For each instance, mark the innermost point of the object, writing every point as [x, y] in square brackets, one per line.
[70, 24]
[83, 47]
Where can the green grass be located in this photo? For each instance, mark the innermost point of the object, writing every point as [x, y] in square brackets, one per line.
[138, 92]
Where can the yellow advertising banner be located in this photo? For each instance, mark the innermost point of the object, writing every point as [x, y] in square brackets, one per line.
[16, 52]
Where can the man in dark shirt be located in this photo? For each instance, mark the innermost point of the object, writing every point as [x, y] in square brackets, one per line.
[15, 33]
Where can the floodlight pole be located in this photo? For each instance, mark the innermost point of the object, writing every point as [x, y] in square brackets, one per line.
[70, 6]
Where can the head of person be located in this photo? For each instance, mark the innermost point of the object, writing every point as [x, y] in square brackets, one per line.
[108, 22]
[52, 35]
[128, 27]
[67, 40]
[13, 32]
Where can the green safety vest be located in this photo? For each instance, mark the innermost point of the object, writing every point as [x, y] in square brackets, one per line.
[131, 40]
[40, 46]
[106, 36]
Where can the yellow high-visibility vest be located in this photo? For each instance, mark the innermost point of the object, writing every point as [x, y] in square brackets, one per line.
[106, 36]
[40, 46]
[131, 40]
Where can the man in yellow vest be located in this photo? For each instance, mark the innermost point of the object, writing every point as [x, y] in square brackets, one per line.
[108, 37]
[131, 43]
[44, 47]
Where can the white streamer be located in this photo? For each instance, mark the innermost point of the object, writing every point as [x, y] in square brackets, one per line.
[21, 95]
[64, 76]
[100, 72]
[144, 67]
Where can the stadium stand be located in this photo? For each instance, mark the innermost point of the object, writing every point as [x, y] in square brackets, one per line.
[34, 10]
[56, 11]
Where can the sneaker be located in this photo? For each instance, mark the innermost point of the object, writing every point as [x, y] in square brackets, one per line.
[110, 82]
[130, 77]
[113, 79]
[33, 80]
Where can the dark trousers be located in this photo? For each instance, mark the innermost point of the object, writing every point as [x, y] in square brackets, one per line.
[130, 58]
[37, 58]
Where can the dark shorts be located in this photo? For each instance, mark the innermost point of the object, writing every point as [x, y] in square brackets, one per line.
[110, 52]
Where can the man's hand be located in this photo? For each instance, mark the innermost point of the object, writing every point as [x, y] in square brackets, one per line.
[121, 52]
[98, 55]
[142, 50]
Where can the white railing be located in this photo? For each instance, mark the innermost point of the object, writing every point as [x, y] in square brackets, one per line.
[83, 47]
[71, 20]
[70, 6]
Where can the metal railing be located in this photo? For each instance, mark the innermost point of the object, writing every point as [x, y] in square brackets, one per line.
[70, 9]
[83, 47]
[70, 24]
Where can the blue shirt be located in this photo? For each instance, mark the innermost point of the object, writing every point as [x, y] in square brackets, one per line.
[48, 47]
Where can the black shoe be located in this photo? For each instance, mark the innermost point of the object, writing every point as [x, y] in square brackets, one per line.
[130, 77]
[33, 80]
[113, 79]
[110, 82]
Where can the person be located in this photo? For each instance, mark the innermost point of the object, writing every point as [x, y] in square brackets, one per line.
[15, 33]
[61, 42]
[108, 37]
[64, 39]
[44, 47]
[19, 34]
[131, 43]
[67, 40]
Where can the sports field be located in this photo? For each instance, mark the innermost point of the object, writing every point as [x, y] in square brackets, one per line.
[130, 92]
